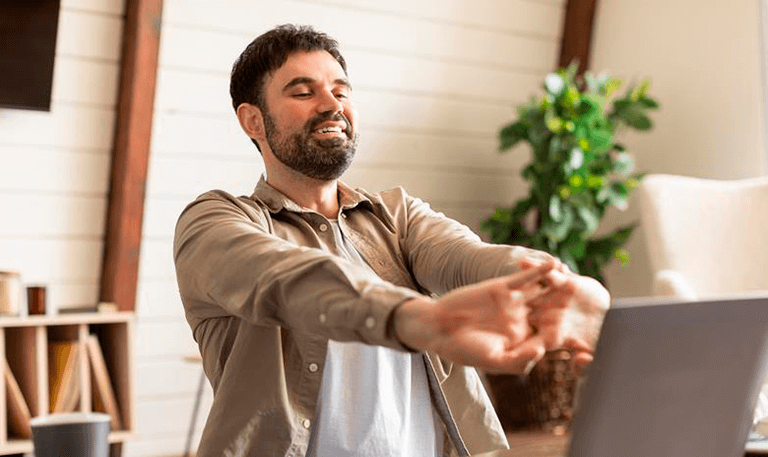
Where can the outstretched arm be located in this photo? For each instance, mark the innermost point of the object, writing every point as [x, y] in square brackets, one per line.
[506, 324]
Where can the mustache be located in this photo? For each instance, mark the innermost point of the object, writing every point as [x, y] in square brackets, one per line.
[315, 122]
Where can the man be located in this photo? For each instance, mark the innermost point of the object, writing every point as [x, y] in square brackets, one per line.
[313, 304]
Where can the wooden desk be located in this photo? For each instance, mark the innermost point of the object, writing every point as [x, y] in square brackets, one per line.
[540, 444]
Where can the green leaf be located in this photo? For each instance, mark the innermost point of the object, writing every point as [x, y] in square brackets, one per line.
[576, 159]
[589, 217]
[554, 208]
[618, 195]
[592, 83]
[649, 103]
[511, 135]
[577, 248]
[595, 104]
[599, 139]
[554, 123]
[503, 215]
[622, 256]
[612, 86]
[602, 195]
[567, 258]
[636, 119]
[640, 91]
[558, 231]
[554, 148]
[554, 83]
[570, 71]
[623, 163]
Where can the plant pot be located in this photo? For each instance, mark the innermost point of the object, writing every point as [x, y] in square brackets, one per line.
[543, 400]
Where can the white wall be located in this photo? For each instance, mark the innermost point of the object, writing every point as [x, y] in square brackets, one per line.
[704, 59]
[54, 166]
[434, 81]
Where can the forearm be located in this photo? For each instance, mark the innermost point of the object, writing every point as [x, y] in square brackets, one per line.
[445, 255]
[229, 265]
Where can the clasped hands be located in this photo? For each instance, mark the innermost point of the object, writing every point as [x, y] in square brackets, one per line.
[506, 324]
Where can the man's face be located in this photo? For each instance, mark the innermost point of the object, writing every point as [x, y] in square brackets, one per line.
[309, 118]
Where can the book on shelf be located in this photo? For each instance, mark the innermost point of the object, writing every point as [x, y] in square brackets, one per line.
[63, 375]
[104, 399]
[18, 410]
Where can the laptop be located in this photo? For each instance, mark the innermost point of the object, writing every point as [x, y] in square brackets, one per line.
[673, 379]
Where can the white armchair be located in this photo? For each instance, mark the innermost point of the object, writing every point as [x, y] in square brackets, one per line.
[706, 237]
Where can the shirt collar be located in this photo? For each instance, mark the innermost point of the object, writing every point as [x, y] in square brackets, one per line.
[277, 201]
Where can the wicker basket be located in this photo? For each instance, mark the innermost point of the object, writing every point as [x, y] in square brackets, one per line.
[541, 401]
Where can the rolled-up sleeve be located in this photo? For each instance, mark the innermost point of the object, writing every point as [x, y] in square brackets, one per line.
[444, 254]
[228, 263]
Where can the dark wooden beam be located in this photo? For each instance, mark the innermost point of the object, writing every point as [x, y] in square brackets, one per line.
[577, 33]
[130, 154]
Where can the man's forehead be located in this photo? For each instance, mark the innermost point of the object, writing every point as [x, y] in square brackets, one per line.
[312, 65]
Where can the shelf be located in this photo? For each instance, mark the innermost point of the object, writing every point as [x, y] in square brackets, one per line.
[68, 348]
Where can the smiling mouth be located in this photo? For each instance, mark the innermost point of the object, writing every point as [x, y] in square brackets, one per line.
[329, 130]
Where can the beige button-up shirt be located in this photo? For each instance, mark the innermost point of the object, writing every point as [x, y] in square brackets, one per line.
[264, 290]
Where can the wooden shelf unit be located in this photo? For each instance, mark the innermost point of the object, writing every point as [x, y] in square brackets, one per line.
[24, 344]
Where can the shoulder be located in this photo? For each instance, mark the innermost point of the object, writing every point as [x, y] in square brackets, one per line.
[221, 204]
[391, 199]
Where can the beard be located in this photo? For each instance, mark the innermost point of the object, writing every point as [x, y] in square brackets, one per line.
[324, 160]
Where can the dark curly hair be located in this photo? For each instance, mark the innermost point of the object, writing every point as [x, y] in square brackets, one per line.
[267, 53]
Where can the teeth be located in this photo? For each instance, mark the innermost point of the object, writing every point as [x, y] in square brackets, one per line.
[329, 130]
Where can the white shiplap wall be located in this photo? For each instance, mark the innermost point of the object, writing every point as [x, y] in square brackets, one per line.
[54, 166]
[434, 81]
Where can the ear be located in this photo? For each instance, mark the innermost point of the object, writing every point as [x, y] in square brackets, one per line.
[251, 121]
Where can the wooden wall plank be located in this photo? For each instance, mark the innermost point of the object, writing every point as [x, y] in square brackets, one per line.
[131, 152]
[521, 16]
[101, 42]
[577, 33]
[361, 30]
[37, 170]
[85, 81]
[170, 340]
[50, 259]
[159, 300]
[167, 377]
[165, 417]
[52, 215]
[104, 6]
[405, 74]
[65, 126]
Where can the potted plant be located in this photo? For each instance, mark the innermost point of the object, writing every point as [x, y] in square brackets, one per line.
[577, 170]
[576, 173]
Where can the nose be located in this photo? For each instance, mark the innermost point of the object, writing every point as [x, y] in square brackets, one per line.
[329, 103]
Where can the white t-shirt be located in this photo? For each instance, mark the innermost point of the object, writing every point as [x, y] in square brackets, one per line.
[373, 401]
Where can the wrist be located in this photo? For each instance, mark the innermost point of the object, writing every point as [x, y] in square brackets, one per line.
[412, 323]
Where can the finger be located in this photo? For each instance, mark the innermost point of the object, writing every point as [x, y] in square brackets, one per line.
[551, 336]
[581, 360]
[524, 277]
[529, 262]
[555, 296]
[522, 358]
[556, 278]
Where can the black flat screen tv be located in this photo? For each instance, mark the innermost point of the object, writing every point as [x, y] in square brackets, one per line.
[27, 50]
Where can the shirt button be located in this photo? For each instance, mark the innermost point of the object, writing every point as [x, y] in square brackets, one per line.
[370, 322]
[343, 216]
[305, 423]
[313, 367]
[323, 318]
[323, 227]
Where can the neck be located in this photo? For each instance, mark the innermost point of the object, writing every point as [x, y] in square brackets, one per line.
[319, 196]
